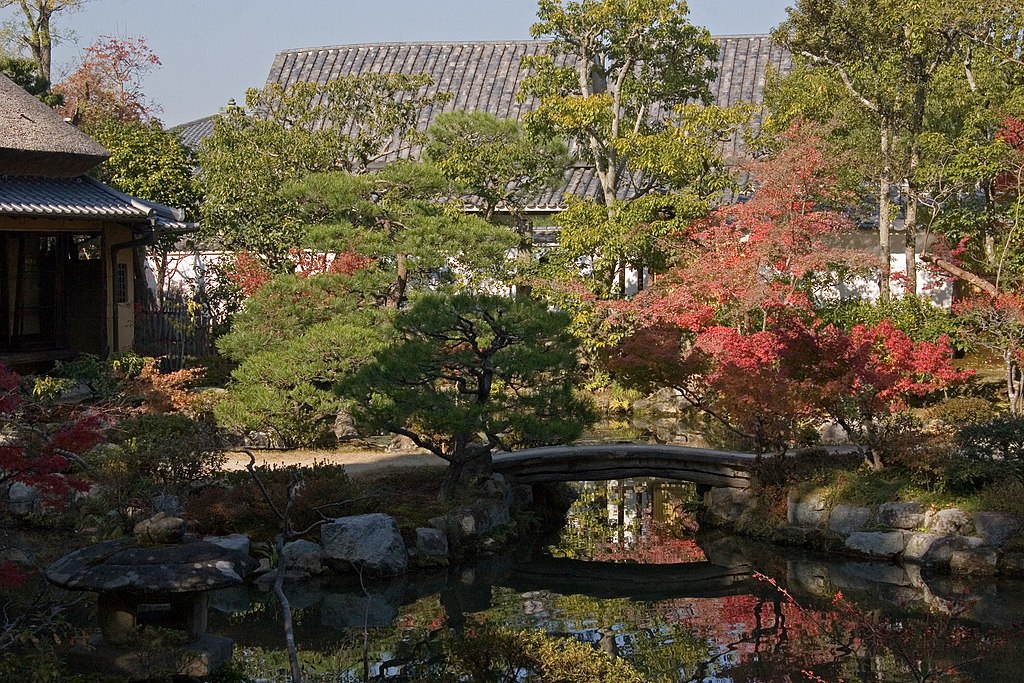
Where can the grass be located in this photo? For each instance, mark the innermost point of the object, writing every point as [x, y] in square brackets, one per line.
[846, 481]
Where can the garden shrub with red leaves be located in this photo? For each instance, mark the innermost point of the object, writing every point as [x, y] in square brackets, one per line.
[50, 463]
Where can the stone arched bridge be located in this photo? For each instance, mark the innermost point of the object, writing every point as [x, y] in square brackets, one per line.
[703, 466]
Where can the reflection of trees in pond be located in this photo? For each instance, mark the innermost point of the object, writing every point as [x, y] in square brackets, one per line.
[630, 520]
[762, 637]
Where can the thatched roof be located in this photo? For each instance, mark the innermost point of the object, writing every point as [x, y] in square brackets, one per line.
[37, 141]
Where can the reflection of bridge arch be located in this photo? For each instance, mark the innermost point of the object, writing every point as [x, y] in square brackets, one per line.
[624, 460]
[648, 582]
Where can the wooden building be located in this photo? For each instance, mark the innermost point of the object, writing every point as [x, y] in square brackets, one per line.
[68, 244]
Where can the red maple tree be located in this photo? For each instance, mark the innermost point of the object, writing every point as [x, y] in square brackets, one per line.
[107, 85]
[733, 326]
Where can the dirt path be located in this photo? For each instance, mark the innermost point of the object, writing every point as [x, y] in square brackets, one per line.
[355, 460]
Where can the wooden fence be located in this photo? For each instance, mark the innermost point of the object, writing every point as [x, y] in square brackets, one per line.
[172, 335]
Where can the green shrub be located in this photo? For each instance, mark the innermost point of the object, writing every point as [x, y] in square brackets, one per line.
[988, 452]
[917, 316]
[171, 450]
[239, 506]
[962, 410]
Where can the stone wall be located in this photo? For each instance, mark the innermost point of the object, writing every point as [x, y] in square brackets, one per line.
[946, 540]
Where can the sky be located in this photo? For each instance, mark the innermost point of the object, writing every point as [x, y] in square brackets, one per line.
[212, 50]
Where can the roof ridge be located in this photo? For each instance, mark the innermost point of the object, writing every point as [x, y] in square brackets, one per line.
[515, 41]
[400, 43]
[192, 122]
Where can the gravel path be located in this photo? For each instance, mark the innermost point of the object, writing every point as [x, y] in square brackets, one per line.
[355, 460]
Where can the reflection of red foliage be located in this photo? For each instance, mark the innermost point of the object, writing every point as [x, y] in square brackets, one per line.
[655, 544]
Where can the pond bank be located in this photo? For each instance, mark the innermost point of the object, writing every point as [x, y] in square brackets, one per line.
[946, 539]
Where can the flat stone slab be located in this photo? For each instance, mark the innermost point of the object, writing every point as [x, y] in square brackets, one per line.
[124, 566]
[877, 543]
[846, 519]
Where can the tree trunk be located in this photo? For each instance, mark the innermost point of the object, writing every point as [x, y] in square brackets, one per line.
[462, 467]
[910, 245]
[1014, 379]
[401, 281]
[884, 219]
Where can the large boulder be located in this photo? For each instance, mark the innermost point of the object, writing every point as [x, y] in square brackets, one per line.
[951, 521]
[900, 515]
[366, 543]
[995, 528]
[304, 555]
[935, 550]
[807, 509]
[846, 519]
[431, 548]
[876, 543]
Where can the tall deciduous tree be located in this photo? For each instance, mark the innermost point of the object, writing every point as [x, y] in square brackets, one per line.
[107, 85]
[279, 136]
[36, 31]
[471, 373]
[612, 72]
[733, 326]
[888, 56]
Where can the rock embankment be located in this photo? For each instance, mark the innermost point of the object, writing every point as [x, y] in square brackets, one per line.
[373, 545]
[945, 540]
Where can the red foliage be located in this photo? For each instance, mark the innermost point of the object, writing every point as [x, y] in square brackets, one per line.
[733, 327]
[249, 273]
[108, 83]
[44, 466]
[1006, 185]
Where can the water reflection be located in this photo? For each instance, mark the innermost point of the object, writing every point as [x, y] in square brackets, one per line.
[633, 520]
[676, 614]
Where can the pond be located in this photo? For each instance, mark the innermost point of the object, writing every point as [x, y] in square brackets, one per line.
[631, 574]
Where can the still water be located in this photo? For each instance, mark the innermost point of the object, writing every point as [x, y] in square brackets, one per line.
[631, 574]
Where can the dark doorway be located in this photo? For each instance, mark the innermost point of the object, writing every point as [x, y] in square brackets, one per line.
[52, 292]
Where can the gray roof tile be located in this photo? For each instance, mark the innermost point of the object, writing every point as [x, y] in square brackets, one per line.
[80, 197]
[487, 75]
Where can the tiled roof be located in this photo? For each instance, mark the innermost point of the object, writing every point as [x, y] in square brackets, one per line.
[191, 133]
[35, 140]
[81, 197]
[485, 76]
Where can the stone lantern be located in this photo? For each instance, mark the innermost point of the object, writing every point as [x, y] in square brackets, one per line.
[144, 585]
